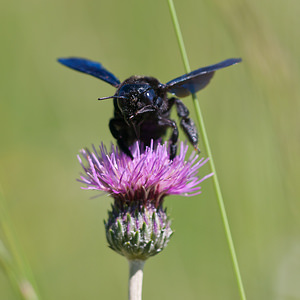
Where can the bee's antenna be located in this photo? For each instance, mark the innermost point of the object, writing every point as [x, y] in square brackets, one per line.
[119, 97]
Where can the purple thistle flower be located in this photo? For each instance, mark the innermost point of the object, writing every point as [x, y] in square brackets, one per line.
[149, 177]
[138, 227]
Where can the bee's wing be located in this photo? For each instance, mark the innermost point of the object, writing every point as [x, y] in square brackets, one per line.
[90, 67]
[193, 82]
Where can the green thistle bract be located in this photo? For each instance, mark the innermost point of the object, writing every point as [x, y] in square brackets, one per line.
[138, 232]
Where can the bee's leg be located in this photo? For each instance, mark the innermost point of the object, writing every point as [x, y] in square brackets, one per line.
[186, 122]
[116, 127]
[174, 135]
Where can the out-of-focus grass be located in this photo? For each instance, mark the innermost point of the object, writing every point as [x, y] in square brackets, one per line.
[251, 110]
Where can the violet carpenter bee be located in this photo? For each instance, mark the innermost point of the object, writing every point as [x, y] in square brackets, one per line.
[142, 106]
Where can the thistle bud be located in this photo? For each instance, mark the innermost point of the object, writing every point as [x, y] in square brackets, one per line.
[138, 232]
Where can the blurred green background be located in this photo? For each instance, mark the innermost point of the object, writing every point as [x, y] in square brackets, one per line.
[49, 112]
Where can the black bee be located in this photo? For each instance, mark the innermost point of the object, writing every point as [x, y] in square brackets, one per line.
[142, 106]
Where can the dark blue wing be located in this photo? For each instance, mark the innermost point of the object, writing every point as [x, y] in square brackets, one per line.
[90, 67]
[193, 82]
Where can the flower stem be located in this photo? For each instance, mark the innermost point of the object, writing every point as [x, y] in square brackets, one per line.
[211, 161]
[135, 279]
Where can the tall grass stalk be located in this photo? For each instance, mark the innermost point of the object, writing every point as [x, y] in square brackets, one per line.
[209, 153]
[13, 261]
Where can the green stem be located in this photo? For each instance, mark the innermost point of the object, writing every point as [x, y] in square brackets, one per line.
[135, 279]
[211, 160]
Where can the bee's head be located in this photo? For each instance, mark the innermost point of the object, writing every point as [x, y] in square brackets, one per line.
[136, 99]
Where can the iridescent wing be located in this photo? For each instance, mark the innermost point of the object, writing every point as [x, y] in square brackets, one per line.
[90, 67]
[196, 80]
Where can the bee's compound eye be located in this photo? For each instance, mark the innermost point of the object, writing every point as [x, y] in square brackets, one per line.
[149, 96]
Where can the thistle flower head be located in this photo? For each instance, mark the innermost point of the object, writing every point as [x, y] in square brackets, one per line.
[138, 226]
[147, 178]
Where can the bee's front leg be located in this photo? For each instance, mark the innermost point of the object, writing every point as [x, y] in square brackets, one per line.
[174, 136]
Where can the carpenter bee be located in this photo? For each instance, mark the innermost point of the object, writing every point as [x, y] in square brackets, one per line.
[142, 106]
